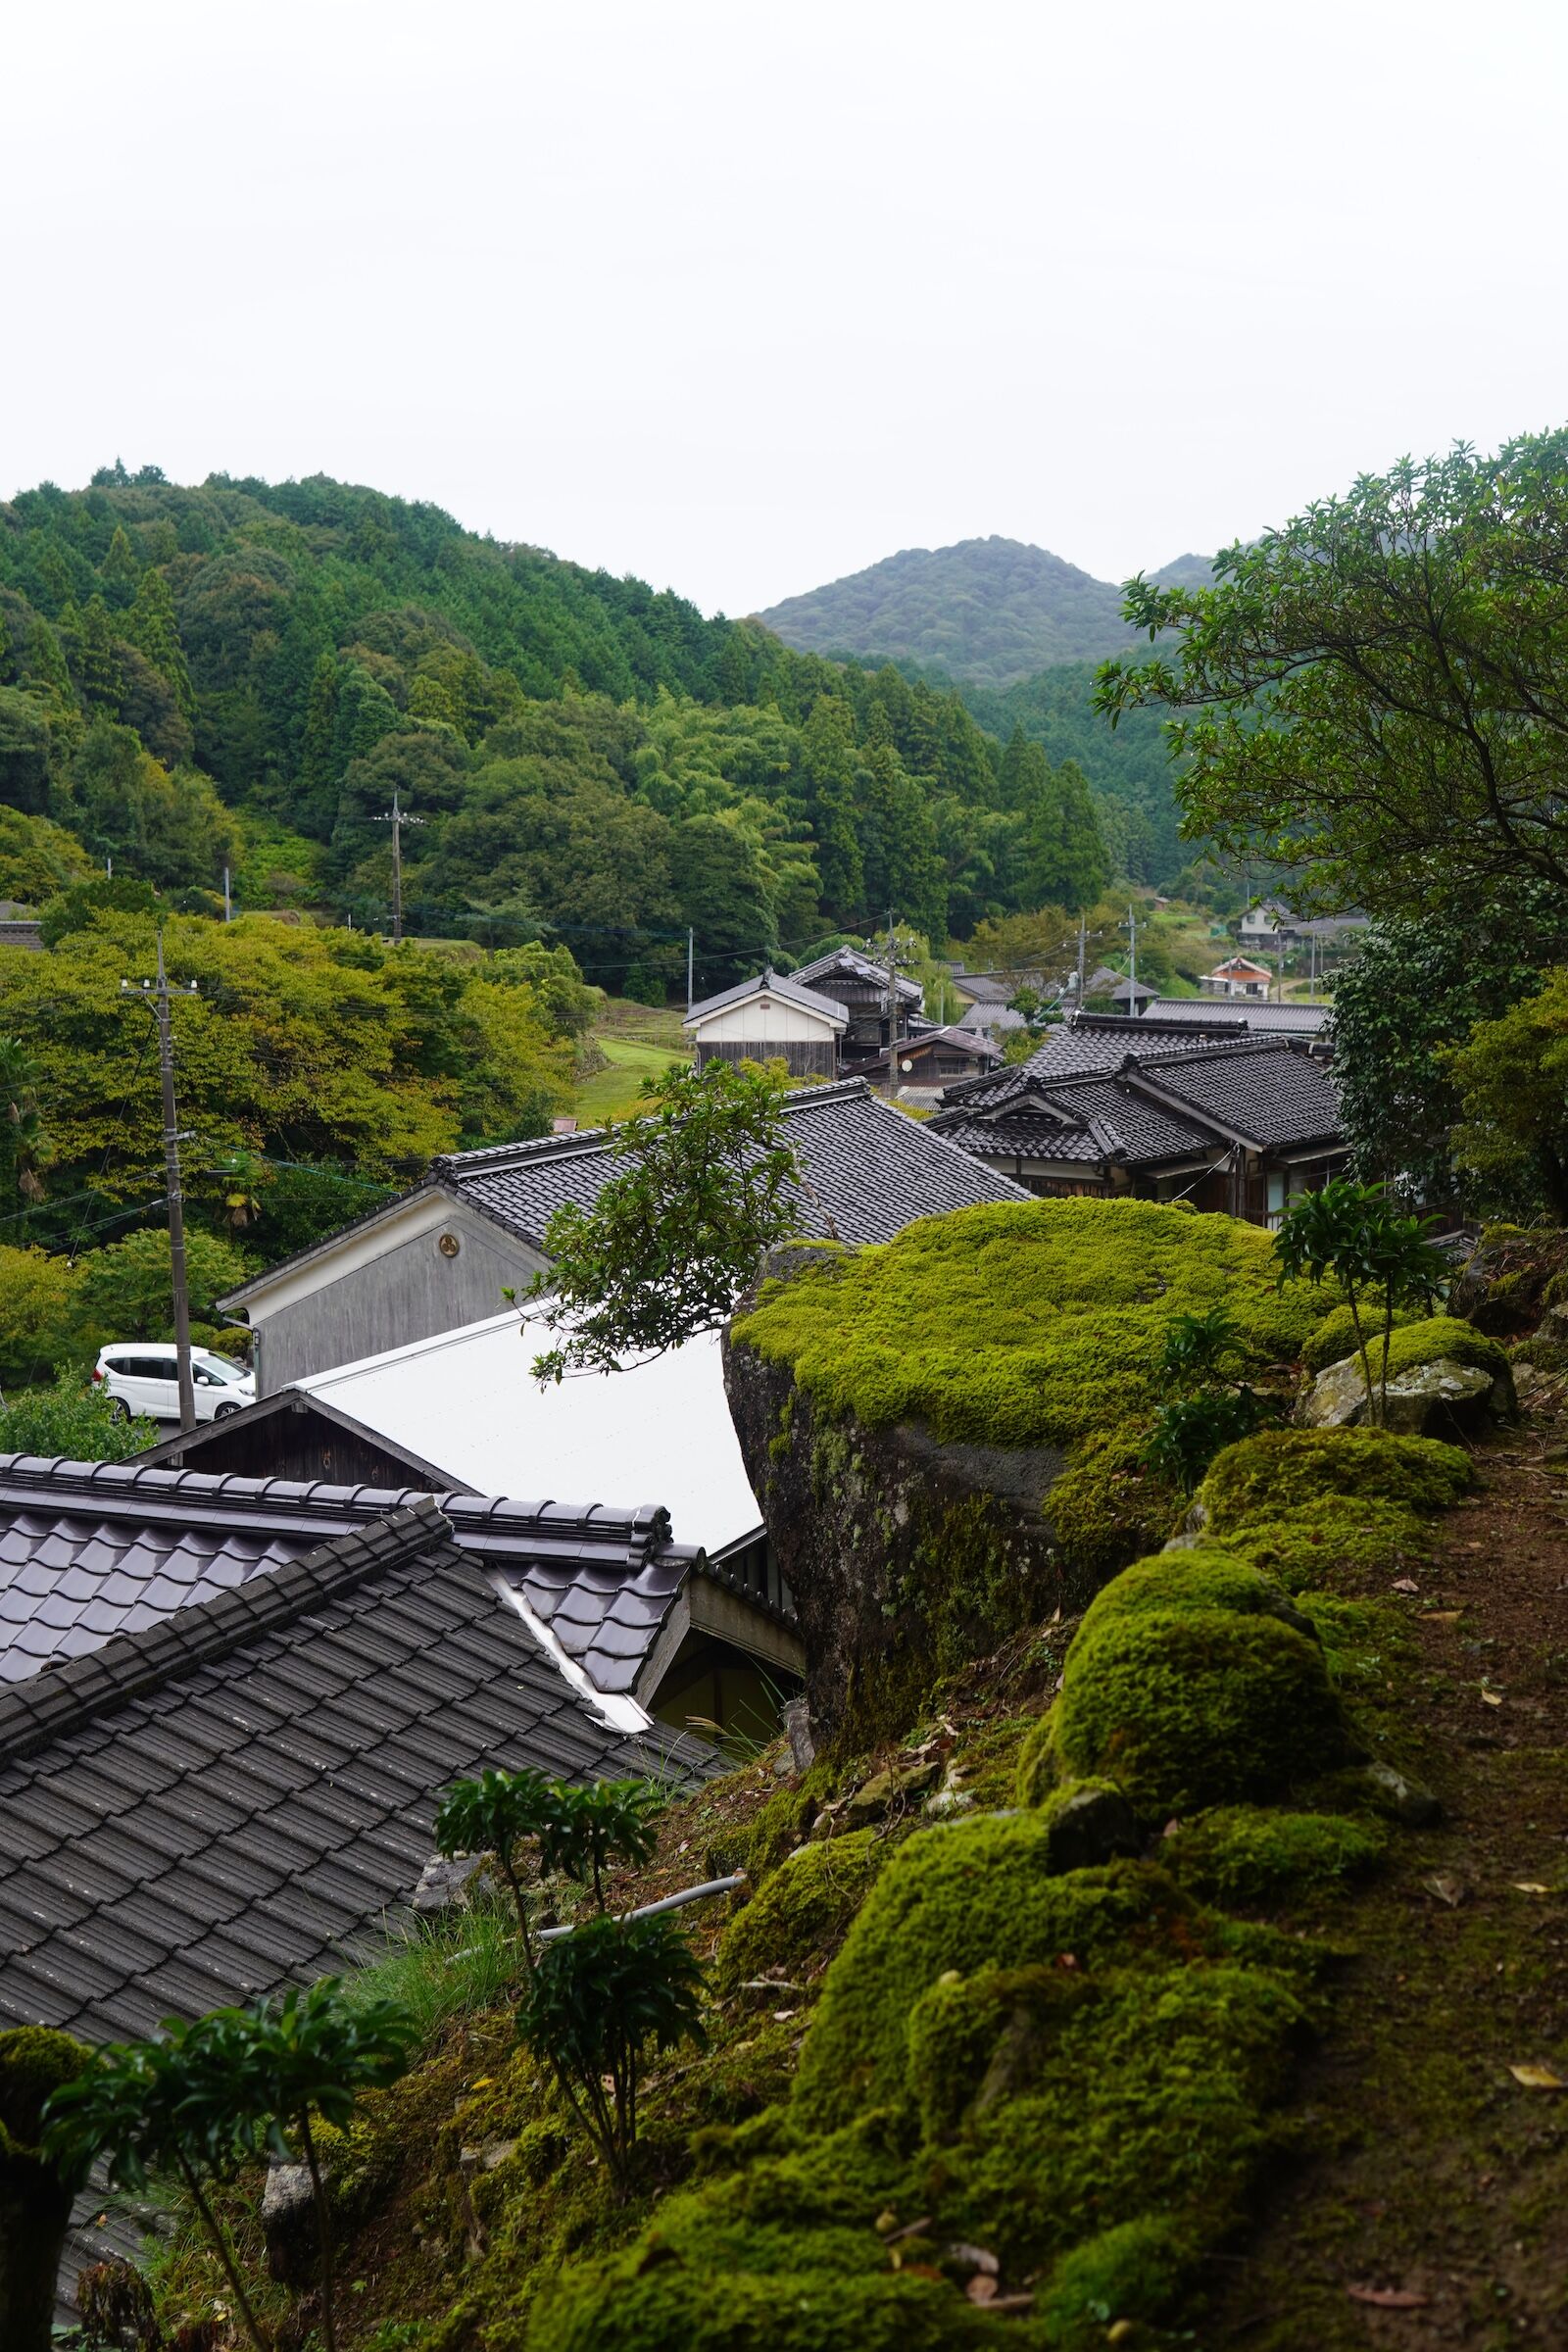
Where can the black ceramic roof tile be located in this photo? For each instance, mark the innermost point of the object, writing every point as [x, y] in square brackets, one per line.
[1274, 1094]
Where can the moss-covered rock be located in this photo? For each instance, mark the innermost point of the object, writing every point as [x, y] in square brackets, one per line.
[1508, 1278]
[943, 1430]
[1202, 1577]
[1244, 1856]
[1288, 1470]
[1196, 1706]
[1335, 1337]
[35, 2200]
[803, 1909]
[975, 1894]
[1344, 1539]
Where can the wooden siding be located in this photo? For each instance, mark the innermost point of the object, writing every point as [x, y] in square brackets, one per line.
[803, 1057]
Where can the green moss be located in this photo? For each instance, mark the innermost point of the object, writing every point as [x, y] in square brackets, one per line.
[1440, 1339]
[1064, 2108]
[758, 1846]
[1204, 1577]
[1132, 2272]
[1107, 1503]
[966, 1895]
[1021, 1325]
[1338, 1538]
[1240, 1855]
[1039, 1774]
[803, 1909]
[1335, 1337]
[34, 2060]
[1197, 1707]
[1548, 1354]
[1287, 1470]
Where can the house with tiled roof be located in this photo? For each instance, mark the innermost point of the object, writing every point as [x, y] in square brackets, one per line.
[221, 1775]
[1229, 1123]
[442, 1254]
[858, 984]
[769, 1018]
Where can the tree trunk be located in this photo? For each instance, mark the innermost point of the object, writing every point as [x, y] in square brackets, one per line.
[35, 2211]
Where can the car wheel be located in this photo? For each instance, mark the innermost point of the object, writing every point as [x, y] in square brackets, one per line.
[222, 1411]
[119, 1409]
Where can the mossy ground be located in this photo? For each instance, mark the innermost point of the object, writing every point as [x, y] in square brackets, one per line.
[1206, 2093]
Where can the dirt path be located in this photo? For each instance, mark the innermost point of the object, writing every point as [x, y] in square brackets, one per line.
[1429, 2173]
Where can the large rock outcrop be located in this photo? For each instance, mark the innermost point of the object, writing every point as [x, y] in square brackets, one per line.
[946, 1433]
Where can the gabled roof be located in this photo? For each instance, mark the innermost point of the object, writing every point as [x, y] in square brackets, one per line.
[848, 964]
[1130, 992]
[92, 1553]
[870, 1171]
[1269, 1093]
[209, 1810]
[1246, 1012]
[964, 1039]
[772, 984]
[1088, 1043]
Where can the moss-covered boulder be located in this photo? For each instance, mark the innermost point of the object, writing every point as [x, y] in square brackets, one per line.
[944, 1431]
[1248, 1855]
[1335, 1337]
[1444, 1376]
[1192, 1682]
[34, 2197]
[1292, 1470]
[1511, 1274]
[803, 1910]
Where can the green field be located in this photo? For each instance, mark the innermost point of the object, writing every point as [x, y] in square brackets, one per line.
[640, 1041]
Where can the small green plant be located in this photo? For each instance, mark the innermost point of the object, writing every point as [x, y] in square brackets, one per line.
[74, 1420]
[610, 1821]
[155, 2106]
[1352, 1234]
[309, 2055]
[496, 1814]
[1187, 1433]
[196, 2099]
[1196, 1347]
[597, 2001]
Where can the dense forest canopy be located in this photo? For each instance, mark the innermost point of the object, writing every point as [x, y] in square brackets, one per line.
[242, 675]
[989, 612]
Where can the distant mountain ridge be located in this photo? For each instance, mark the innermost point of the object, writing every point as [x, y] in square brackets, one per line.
[988, 612]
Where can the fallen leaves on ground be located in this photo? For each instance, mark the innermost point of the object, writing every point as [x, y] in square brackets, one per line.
[1388, 2299]
[1539, 2078]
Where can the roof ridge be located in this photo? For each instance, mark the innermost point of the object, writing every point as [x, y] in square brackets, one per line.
[458, 1164]
[35, 1713]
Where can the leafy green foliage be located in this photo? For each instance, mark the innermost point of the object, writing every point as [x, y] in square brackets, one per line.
[1354, 1234]
[704, 1183]
[1511, 1079]
[237, 2082]
[596, 2002]
[1373, 694]
[1188, 1432]
[590, 759]
[496, 1813]
[37, 1315]
[1416, 989]
[74, 1420]
[124, 1290]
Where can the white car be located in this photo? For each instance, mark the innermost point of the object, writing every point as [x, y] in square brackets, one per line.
[142, 1377]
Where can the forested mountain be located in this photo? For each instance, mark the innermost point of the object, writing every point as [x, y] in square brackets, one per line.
[244, 674]
[989, 612]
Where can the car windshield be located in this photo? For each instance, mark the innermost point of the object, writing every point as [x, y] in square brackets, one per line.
[222, 1370]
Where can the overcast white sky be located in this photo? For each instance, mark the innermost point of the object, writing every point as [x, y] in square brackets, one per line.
[742, 298]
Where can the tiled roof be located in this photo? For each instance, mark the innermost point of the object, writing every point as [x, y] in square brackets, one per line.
[1273, 1095]
[202, 1813]
[872, 1170]
[1251, 1013]
[849, 963]
[992, 1019]
[1021, 1134]
[1135, 1130]
[230, 1801]
[1079, 1049]
[771, 983]
[94, 1551]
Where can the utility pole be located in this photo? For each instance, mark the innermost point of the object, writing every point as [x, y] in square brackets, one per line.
[691, 936]
[1082, 939]
[398, 818]
[157, 994]
[1131, 934]
[893, 1009]
[229, 903]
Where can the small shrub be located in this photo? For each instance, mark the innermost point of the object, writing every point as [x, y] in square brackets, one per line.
[74, 1420]
[596, 2000]
[1188, 1432]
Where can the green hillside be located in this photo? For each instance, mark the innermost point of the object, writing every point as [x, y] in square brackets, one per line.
[991, 611]
[242, 674]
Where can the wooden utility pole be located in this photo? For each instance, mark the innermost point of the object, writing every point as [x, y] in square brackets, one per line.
[397, 820]
[893, 1008]
[1131, 934]
[1083, 942]
[155, 995]
[691, 943]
